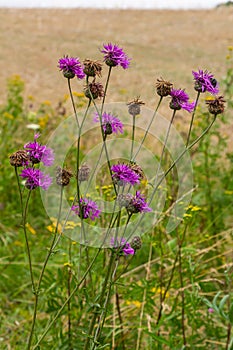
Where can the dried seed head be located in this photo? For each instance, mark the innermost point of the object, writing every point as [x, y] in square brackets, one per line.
[216, 106]
[63, 176]
[83, 173]
[135, 106]
[19, 158]
[137, 169]
[92, 68]
[136, 243]
[96, 90]
[163, 87]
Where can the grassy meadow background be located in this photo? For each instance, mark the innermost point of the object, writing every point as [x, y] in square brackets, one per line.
[168, 44]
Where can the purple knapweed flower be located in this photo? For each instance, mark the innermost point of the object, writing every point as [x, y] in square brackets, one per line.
[71, 67]
[36, 178]
[123, 175]
[115, 56]
[89, 209]
[137, 204]
[110, 123]
[210, 310]
[180, 100]
[39, 153]
[205, 81]
[123, 246]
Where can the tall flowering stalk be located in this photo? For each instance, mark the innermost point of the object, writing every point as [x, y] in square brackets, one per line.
[33, 178]
[126, 178]
[203, 82]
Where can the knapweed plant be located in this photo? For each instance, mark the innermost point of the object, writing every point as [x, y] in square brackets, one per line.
[138, 185]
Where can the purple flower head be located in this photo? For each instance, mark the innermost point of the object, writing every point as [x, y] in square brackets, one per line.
[137, 204]
[71, 67]
[110, 123]
[205, 81]
[123, 246]
[210, 310]
[89, 209]
[39, 153]
[180, 100]
[123, 175]
[115, 56]
[36, 178]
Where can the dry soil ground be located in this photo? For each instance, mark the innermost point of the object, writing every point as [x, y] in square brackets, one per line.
[161, 43]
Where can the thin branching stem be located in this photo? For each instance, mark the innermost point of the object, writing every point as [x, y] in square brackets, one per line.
[132, 138]
[192, 119]
[172, 166]
[148, 128]
[73, 103]
[37, 290]
[139, 335]
[49, 326]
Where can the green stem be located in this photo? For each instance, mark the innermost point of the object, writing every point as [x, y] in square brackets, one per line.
[72, 100]
[102, 131]
[66, 302]
[106, 88]
[164, 146]
[105, 307]
[133, 135]
[100, 301]
[173, 165]
[69, 278]
[191, 123]
[20, 192]
[24, 217]
[37, 291]
[148, 128]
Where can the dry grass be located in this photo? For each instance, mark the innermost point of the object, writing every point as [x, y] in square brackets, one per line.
[162, 43]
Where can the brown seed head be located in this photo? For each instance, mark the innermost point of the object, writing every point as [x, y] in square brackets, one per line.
[163, 87]
[63, 176]
[92, 68]
[96, 90]
[135, 106]
[83, 172]
[19, 158]
[137, 169]
[216, 106]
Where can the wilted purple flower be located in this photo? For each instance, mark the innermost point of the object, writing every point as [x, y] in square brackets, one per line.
[137, 204]
[123, 246]
[89, 209]
[39, 153]
[71, 67]
[123, 174]
[110, 123]
[115, 56]
[205, 81]
[180, 100]
[36, 178]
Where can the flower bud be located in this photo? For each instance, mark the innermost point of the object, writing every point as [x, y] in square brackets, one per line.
[63, 176]
[83, 173]
[19, 158]
[136, 243]
[94, 90]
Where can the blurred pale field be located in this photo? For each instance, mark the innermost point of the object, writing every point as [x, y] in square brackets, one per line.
[161, 43]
